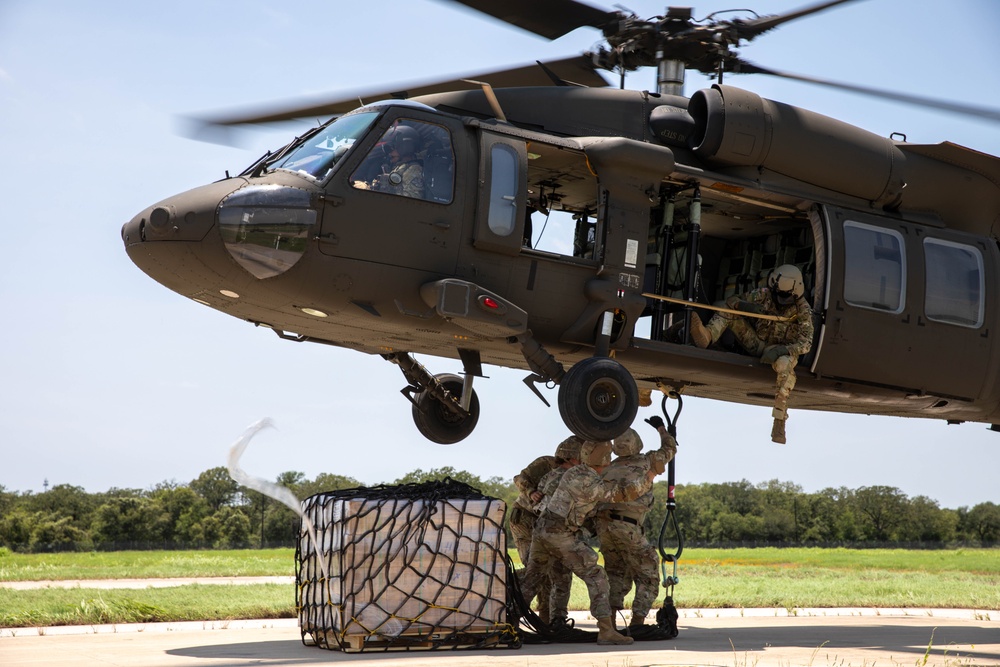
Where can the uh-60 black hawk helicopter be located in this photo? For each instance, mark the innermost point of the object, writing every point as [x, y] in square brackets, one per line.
[672, 201]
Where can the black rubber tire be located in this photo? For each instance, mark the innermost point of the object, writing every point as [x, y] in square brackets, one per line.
[598, 399]
[439, 424]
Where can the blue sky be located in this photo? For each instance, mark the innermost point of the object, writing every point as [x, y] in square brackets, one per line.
[109, 380]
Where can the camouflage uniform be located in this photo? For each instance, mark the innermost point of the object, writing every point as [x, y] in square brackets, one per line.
[522, 517]
[757, 335]
[558, 533]
[628, 555]
[559, 583]
[405, 178]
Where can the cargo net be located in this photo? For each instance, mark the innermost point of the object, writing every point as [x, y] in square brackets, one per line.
[410, 567]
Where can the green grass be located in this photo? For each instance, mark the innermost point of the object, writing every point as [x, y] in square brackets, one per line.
[709, 578]
[86, 606]
[808, 577]
[146, 564]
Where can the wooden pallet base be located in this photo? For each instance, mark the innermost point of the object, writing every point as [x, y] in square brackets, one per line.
[406, 642]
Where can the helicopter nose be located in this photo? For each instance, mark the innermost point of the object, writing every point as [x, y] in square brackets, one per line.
[185, 217]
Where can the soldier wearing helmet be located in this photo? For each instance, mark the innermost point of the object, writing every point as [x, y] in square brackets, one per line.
[628, 555]
[531, 484]
[777, 343]
[402, 172]
[559, 534]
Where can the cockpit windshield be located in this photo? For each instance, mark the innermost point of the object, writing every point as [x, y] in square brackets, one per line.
[317, 154]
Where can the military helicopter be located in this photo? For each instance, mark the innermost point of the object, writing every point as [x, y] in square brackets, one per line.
[653, 198]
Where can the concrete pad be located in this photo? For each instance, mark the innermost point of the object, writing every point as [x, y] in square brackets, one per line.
[737, 638]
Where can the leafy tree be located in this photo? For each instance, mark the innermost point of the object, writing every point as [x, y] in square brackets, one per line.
[817, 520]
[188, 527]
[234, 529]
[65, 500]
[125, 520]
[983, 522]
[216, 487]
[327, 482]
[15, 528]
[925, 521]
[779, 508]
[51, 532]
[171, 502]
[882, 509]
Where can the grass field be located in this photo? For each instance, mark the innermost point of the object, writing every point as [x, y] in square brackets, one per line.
[709, 578]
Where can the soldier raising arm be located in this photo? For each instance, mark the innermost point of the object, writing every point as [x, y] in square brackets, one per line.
[559, 536]
[628, 555]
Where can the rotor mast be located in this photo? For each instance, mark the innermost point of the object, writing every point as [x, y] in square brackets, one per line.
[670, 71]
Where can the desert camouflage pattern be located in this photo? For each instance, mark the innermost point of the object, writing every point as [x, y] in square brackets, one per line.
[628, 555]
[626, 468]
[527, 480]
[558, 540]
[523, 515]
[582, 489]
[756, 335]
[560, 577]
[405, 179]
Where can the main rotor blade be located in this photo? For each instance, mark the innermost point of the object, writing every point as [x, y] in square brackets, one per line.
[752, 28]
[744, 67]
[576, 70]
[549, 18]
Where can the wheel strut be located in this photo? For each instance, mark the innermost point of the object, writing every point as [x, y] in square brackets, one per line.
[420, 380]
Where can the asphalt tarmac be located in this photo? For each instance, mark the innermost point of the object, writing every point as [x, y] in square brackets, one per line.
[735, 638]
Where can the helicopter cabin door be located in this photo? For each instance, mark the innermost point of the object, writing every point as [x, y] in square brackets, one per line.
[907, 306]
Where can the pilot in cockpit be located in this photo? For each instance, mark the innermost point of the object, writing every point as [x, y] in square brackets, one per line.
[401, 172]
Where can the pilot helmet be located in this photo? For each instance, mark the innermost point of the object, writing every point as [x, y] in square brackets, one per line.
[596, 453]
[569, 448]
[786, 284]
[627, 444]
[402, 139]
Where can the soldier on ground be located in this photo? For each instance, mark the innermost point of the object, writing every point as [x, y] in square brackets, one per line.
[628, 555]
[559, 536]
[777, 343]
[530, 493]
[560, 577]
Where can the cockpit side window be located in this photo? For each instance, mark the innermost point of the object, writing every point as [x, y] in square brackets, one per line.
[412, 159]
[319, 153]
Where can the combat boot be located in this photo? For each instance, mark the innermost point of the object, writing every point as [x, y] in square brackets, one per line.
[699, 334]
[780, 415]
[637, 621]
[778, 431]
[608, 636]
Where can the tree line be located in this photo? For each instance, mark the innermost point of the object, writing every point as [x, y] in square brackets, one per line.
[213, 511]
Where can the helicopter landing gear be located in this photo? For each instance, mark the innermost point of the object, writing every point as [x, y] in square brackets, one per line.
[598, 399]
[445, 406]
[440, 422]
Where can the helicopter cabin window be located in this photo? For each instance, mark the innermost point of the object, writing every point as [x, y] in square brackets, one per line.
[503, 190]
[954, 284]
[319, 153]
[874, 267]
[411, 159]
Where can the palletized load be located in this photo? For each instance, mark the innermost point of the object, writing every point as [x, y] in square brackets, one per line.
[416, 566]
